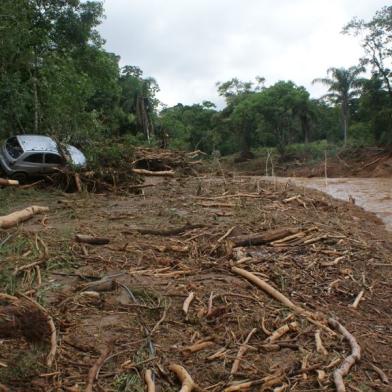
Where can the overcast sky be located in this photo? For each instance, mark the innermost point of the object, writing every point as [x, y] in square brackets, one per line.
[189, 45]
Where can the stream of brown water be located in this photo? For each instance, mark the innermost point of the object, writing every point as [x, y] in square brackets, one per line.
[372, 194]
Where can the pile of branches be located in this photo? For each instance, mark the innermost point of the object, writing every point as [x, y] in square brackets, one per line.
[166, 162]
[127, 172]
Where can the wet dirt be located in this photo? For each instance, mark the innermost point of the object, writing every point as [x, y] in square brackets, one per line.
[150, 330]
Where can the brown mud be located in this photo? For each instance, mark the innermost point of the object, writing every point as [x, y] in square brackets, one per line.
[135, 315]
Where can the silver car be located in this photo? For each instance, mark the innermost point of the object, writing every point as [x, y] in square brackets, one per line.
[26, 156]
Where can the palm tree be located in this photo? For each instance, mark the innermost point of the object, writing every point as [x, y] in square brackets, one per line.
[343, 86]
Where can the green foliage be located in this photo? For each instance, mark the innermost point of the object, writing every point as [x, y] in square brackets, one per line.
[56, 78]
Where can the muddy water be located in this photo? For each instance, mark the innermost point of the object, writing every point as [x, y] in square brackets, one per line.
[373, 194]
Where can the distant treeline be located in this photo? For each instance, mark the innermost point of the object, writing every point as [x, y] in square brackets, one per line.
[57, 78]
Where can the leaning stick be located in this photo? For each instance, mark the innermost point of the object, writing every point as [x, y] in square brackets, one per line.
[149, 381]
[188, 385]
[355, 304]
[355, 356]
[187, 302]
[319, 344]
[93, 372]
[17, 217]
[241, 352]
[280, 297]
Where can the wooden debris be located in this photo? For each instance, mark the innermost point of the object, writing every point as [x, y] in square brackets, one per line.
[167, 232]
[355, 304]
[348, 362]
[333, 262]
[6, 182]
[78, 182]
[319, 344]
[143, 172]
[89, 239]
[282, 331]
[384, 378]
[149, 381]
[188, 385]
[219, 354]
[93, 372]
[279, 297]
[241, 352]
[17, 217]
[263, 238]
[187, 302]
[199, 346]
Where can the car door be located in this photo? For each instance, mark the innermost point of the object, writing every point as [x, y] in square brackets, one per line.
[31, 163]
[52, 162]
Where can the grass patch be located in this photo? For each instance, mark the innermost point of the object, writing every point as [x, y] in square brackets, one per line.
[16, 198]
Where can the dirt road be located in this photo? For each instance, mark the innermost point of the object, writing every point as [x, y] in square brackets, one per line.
[174, 246]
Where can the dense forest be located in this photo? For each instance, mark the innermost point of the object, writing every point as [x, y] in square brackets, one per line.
[57, 78]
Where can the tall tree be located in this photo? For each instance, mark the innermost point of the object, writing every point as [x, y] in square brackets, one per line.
[343, 86]
[376, 39]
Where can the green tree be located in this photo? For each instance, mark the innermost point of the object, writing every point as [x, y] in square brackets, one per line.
[343, 86]
[376, 39]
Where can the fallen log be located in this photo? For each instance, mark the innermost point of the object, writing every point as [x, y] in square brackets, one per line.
[355, 356]
[263, 238]
[17, 217]
[144, 172]
[6, 182]
[89, 239]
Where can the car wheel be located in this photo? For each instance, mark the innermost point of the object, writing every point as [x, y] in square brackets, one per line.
[20, 176]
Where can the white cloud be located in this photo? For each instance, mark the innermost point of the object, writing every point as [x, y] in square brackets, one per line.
[189, 45]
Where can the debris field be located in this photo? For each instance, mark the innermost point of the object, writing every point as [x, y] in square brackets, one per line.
[202, 283]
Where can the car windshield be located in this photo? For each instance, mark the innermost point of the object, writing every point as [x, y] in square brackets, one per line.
[14, 148]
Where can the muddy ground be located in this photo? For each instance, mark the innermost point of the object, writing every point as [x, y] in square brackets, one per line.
[136, 317]
[364, 163]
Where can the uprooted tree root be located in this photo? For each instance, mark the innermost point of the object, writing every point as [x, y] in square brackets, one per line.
[25, 318]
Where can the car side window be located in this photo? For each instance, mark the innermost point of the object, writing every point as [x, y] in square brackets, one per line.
[53, 159]
[35, 158]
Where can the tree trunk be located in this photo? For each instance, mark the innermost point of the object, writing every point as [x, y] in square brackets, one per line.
[35, 91]
[305, 128]
[345, 115]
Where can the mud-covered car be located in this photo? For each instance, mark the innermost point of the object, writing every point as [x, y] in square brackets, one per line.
[26, 156]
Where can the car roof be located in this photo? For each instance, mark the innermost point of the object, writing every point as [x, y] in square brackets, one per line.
[39, 143]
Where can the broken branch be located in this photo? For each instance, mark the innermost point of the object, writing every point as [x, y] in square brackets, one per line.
[241, 352]
[17, 217]
[188, 385]
[149, 381]
[355, 356]
[93, 372]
